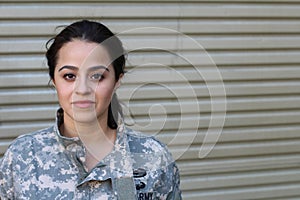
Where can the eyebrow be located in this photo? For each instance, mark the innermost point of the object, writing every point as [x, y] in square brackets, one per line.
[90, 69]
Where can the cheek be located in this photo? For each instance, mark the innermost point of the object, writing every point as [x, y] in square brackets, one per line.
[64, 91]
[104, 91]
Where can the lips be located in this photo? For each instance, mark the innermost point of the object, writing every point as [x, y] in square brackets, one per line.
[84, 104]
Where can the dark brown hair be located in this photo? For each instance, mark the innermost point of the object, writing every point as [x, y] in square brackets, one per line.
[92, 32]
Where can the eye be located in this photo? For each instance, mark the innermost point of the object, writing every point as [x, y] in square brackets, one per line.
[69, 77]
[96, 76]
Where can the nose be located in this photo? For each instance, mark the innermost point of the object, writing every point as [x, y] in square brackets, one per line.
[82, 87]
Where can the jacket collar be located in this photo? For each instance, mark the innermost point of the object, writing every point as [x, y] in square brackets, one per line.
[119, 160]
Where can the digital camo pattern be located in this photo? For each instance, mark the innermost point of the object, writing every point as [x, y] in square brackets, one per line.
[46, 165]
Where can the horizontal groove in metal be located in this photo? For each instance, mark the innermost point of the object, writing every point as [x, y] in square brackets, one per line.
[244, 193]
[285, 198]
[241, 179]
[232, 89]
[168, 43]
[239, 149]
[178, 105]
[292, 197]
[158, 10]
[147, 1]
[186, 58]
[239, 164]
[187, 26]
[14, 129]
[202, 121]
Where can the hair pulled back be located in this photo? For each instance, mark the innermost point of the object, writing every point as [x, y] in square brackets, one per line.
[96, 32]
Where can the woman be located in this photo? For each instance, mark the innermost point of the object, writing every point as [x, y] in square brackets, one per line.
[88, 153]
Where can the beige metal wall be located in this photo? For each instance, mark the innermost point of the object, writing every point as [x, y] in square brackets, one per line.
[256, 46]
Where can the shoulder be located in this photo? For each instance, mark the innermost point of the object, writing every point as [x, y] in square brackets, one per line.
[145, 145]
[143, 142]
[24, 143]
[18, 158]
[22, 150]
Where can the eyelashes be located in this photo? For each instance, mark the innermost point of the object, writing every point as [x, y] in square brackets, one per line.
[93, 77]
[96, 77]
[69, 77]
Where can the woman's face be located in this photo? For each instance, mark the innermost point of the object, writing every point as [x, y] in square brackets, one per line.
[85, 81]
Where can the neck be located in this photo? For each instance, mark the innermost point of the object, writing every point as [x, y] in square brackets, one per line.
[92, 131]
[72, 128]
[96, 136]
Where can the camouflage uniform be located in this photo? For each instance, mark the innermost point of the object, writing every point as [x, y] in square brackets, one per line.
[47, 165]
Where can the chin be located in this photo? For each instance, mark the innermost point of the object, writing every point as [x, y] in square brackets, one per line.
[85, 117]
[90, 116]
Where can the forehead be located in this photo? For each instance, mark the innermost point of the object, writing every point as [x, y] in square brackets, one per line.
[82, 53]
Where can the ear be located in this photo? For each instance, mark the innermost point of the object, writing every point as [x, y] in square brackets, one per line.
[118, 83]
[53, 82]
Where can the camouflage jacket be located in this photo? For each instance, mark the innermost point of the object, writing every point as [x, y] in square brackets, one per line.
[47, 165]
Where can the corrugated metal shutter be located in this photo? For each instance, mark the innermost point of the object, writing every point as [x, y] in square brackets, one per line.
[255, 45]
